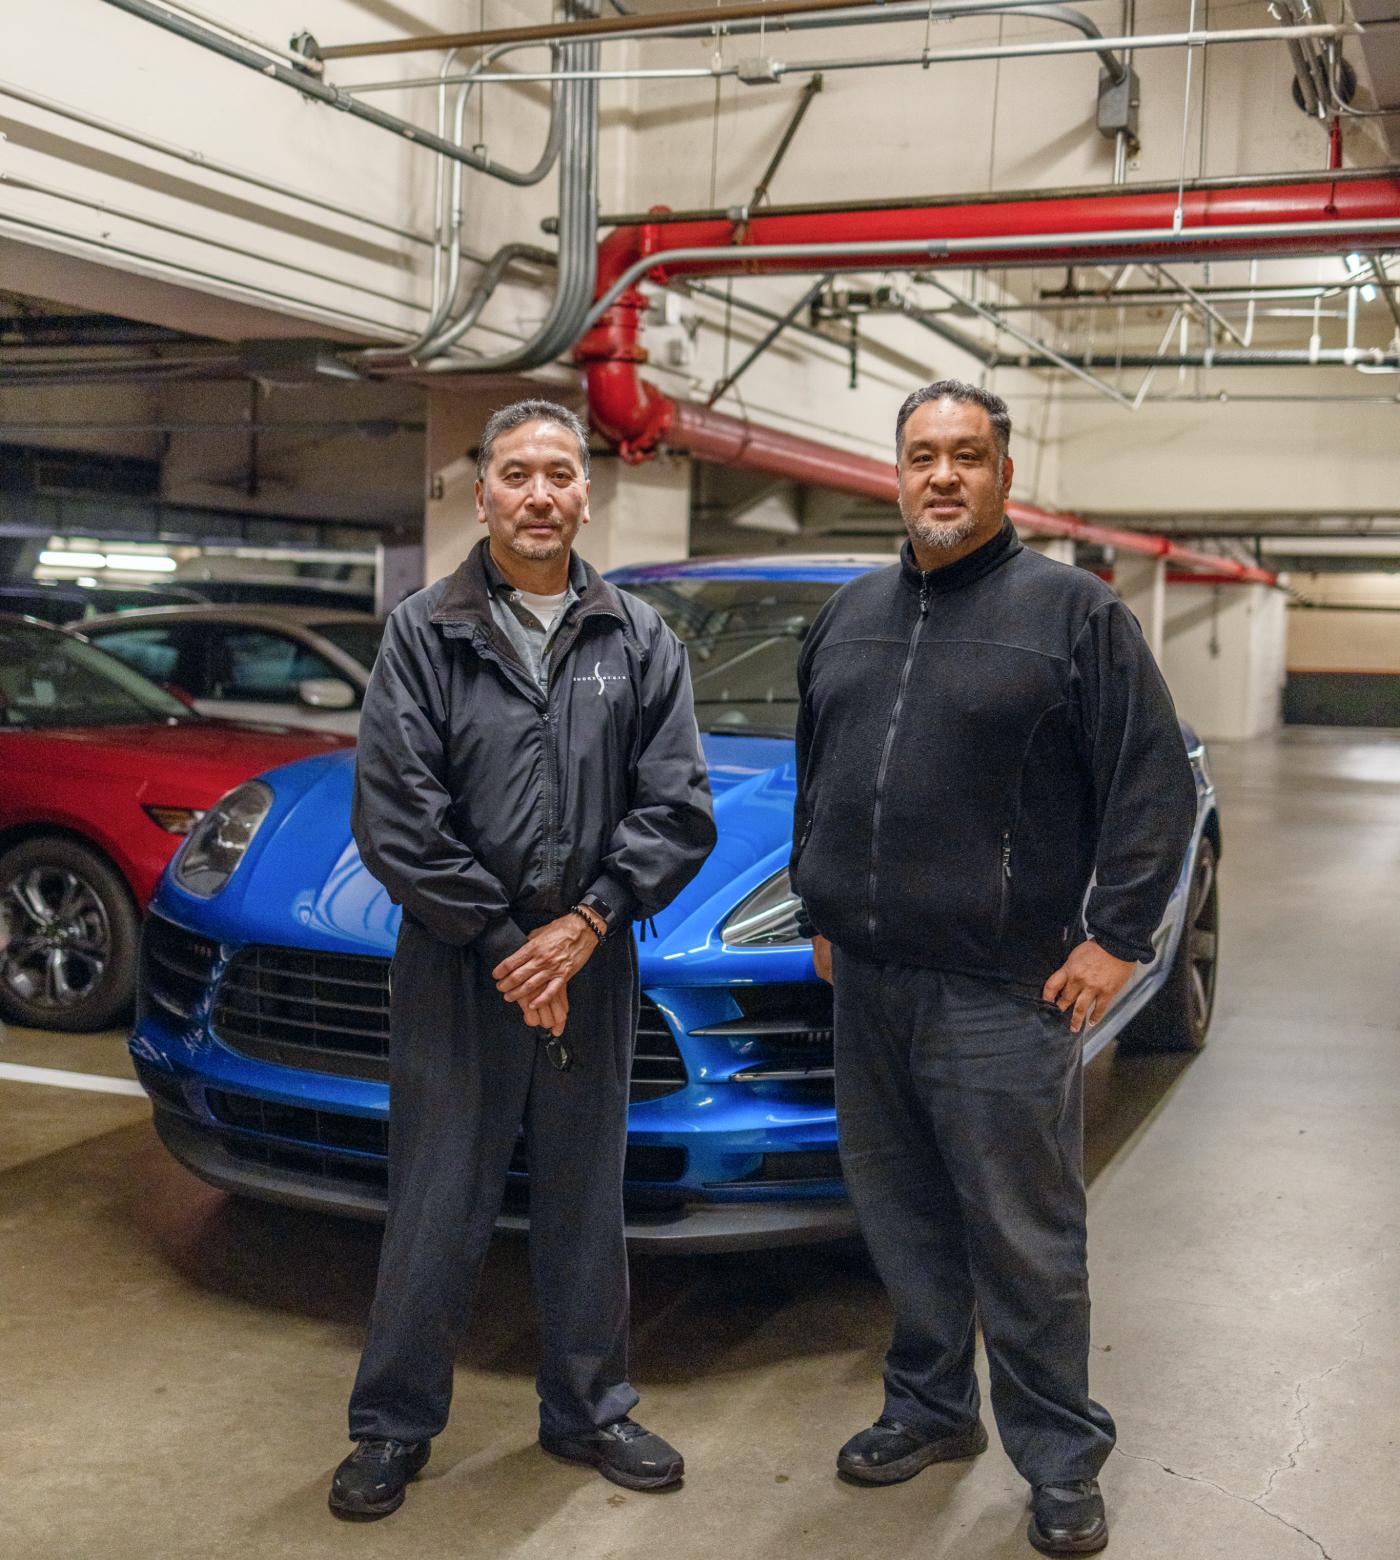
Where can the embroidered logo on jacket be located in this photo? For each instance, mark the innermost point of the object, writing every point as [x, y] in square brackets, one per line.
[599, 676]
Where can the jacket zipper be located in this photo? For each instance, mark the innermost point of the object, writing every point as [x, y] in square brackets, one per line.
[1005, 883]
[870, 884]
[551, 805]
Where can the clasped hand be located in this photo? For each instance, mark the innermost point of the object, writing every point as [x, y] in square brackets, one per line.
[537, 975]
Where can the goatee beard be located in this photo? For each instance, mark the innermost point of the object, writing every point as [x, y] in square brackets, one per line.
[536, 552]
[929, 533]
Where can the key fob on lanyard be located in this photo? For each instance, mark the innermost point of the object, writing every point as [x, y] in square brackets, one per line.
[561, 1058]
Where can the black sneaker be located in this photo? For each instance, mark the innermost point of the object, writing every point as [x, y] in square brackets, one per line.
[370, 1482]
[889, 1452]
[1068, 1518]
[624, 1452]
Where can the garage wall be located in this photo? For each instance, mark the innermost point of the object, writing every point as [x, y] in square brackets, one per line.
[1262, 459]
[1344, 652]
[1223, 657]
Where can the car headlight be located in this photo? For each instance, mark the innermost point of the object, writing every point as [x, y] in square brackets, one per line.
[220, 839]
[1201, 759]
[766, 919]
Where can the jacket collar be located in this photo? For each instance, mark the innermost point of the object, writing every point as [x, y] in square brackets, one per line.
[990, 555]
[467, 596]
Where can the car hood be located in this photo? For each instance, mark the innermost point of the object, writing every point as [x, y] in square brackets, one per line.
[203, 752]
[303, 882]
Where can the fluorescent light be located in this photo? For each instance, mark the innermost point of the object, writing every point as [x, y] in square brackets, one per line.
[1355, 263]
[85, 579]
[152, 563]
[1368, 293]
[72, 560]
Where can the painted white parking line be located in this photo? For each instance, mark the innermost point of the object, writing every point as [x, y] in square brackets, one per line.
[95, 1083]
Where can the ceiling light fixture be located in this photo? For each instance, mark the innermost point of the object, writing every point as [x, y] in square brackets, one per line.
[153, 563]
[62, 559]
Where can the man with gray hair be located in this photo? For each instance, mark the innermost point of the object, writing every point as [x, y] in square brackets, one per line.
[529, 781]
[981, 733]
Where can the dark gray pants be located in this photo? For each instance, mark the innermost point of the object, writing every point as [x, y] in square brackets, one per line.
[465, 1076]
[961, 1124]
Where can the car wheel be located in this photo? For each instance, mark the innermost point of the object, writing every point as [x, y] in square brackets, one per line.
[70, 962]
[1178, 1017]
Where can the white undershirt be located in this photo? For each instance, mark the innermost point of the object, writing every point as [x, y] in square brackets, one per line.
[544, 608]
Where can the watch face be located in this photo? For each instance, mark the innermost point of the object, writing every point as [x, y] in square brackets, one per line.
[601, 906]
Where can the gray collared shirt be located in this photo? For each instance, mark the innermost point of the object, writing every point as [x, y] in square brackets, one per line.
[527, 635]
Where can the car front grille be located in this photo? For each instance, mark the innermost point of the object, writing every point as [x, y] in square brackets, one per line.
[783, 1035]
[177, 970]
[331, 1143]
[329, 1013]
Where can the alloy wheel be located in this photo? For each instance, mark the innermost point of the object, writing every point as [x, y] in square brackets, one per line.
[1203, 933]
[60, 939]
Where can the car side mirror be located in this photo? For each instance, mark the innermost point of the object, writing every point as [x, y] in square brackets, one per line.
[325, 693]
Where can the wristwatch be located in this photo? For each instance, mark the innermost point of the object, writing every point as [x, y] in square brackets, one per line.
[602, 909]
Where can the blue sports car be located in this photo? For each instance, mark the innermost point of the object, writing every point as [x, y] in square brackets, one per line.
[262, 1026]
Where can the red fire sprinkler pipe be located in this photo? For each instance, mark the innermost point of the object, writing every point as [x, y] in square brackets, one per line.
[638, 418]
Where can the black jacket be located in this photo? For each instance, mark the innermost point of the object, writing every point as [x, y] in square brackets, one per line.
[972, 745]
[479, 797]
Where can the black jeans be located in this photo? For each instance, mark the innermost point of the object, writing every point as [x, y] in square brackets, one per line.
[466, 1076]
[961, 1123]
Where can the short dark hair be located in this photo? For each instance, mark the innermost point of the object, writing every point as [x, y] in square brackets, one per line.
[957, 390]
[517, 414]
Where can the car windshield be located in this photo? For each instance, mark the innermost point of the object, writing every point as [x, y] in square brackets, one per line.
[743, 639]
[49, 679]
[359, 640]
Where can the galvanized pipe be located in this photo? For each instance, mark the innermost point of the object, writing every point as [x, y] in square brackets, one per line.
[200, 160]
[897, 11]
[777, 69]
[301, 61]
[629, 25]
[308, 86]
[125, 214]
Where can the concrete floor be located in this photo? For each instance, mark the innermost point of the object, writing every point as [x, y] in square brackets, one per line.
[174, 1364]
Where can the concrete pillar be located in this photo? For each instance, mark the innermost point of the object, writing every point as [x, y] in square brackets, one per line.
[1142, 584]
[638, 514]
[1223, 657]
[1060, 548]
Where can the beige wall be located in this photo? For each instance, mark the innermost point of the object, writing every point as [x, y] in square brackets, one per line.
[1322, 641]
[1223, 657]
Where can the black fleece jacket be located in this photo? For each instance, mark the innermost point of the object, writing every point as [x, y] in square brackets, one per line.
[973, 745]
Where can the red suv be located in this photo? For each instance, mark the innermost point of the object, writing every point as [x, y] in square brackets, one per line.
[102, 773]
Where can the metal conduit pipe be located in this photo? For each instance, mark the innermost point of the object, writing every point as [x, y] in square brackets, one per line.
[719, 18]
[1261, 181]
[200, 160]
[301, 61]
[1224, 358]
[125, 214]
[308, 86]
[775, 70]
[1118, 226]
[854, 16]
[578, 243]
[162, 265]
[431, 339]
